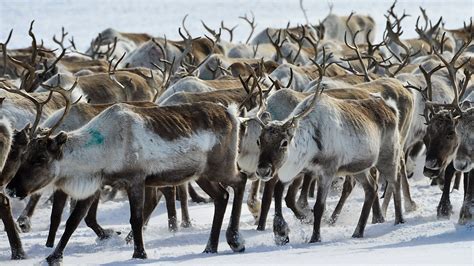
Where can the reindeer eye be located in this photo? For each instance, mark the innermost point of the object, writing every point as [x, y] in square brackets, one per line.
[451, 134]
[284, 143]
[40, 160]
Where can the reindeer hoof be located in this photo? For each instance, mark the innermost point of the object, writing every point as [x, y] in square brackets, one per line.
[358, 235]
[49, 244]
[444, 211]
[186, 224]
[24, 224]
[139, 255]
[399, 221]
[108, 233]
[378, 220]
[332, 221]
[261, 228]
[210, 249]
[235, 241]
[129, 238]
[281, 231]
[315, 238]
[54, 259]
[465, 215]
[18, 254]
[172, 225]
[410, 206]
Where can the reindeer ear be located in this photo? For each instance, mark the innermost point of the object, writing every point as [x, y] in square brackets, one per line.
[466, 105]
[266, 117]
[243, 112]
[55, 143]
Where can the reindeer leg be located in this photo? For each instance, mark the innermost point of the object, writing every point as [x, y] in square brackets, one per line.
[25, 217]
[13, 237]
[387, 196]
[220, 196]
[290, 198]
[234, 238]
[195, 197]
[390, 173]
[445, 208]
[183, 201]
[409, 204]
[266, 202]
[303, 199]
[152, 198]
[457, 181]
[136, 196]
[59, 201]
[465, 215]
[324, 184]
[170, 200]
[253, 204]
[91, 222]
[377, 216]
[80, 210]
[280, 226]
[312, 188]
[347, 187]
[370, 190]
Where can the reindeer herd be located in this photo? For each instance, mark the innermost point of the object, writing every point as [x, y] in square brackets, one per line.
[297, 106]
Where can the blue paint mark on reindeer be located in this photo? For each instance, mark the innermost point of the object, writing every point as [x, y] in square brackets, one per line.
[96, 138]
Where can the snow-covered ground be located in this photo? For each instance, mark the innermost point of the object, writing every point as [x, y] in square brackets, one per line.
[421, 240]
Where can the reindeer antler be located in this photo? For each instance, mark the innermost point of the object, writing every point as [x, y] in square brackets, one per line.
[67, 95]
[4, 52]
[252, 24]
[112, 71]
[38, 105]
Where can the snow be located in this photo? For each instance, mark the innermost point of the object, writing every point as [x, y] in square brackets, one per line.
[423, 239]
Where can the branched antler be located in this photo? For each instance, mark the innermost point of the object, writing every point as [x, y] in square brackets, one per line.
[4, 52]
[252, 24]
[112, 71]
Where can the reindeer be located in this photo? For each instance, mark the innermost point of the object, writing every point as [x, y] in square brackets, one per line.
[111, 43]
[442, 137]
[313, 126]
[80, 114]
[6, 141]
[203, 131]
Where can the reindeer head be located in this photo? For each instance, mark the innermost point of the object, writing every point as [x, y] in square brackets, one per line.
[274, 141]
[277, 136]
[465, 133]
[441, 142]
[39, 165]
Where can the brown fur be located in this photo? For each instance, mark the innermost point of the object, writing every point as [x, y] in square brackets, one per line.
[173, 122]
[99, 88]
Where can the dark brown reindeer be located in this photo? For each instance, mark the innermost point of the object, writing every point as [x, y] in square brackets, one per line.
[207, 132]
[443, 135]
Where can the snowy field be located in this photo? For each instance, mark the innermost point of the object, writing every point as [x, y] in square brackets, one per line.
[421, 240]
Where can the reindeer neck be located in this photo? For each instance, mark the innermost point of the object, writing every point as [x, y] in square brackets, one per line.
[84, 152]
[300, 151]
